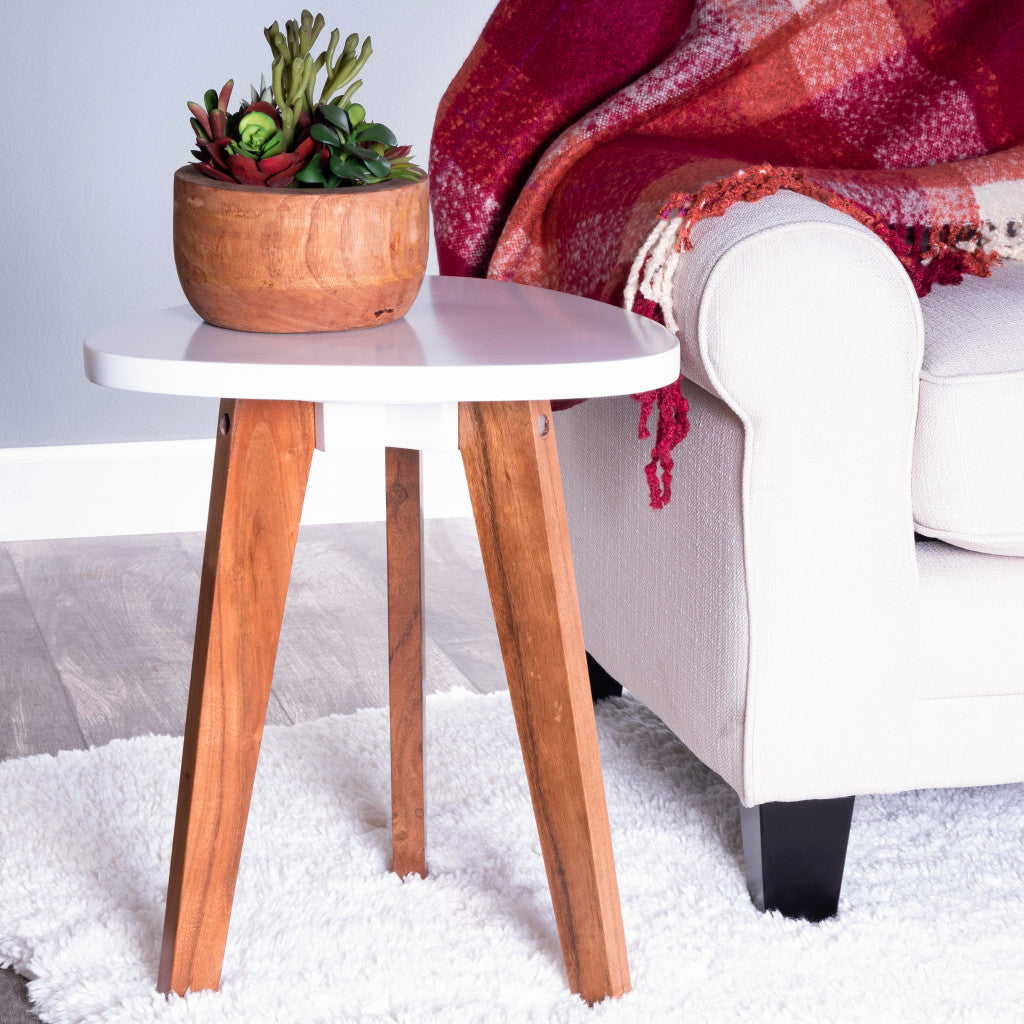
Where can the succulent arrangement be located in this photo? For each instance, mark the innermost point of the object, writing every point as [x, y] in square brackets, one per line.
[288, 136]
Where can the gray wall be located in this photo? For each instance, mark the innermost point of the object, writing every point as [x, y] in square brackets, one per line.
[95, 126]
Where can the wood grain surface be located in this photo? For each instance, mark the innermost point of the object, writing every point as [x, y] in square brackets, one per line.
[148, 585]
[404, 518]
[15, 1007]
[294, 260]
[41, 717]
[261, 467]
[514, 482]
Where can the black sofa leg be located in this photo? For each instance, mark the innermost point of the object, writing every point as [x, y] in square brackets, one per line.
[601, 684]
[795, 854]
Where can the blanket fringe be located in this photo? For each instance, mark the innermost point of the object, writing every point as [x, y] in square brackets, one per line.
[947, 253]
[673, 426]
[1006, 239]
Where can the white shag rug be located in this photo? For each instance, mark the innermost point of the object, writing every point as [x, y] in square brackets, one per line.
[931, 925]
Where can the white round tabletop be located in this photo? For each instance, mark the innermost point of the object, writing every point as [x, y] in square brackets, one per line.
[464, 339]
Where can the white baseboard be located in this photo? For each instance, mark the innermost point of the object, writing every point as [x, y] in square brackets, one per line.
[106, 490]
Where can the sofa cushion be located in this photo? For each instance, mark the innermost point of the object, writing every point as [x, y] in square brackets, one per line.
[968, 479]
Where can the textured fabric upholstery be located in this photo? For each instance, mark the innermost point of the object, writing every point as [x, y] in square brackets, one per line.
[968, 479]
[960, 596]
[778, 614]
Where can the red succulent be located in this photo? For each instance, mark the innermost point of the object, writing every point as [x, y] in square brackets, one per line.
[225, 155]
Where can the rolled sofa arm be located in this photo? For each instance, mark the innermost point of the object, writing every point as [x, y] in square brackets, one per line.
[767, 614]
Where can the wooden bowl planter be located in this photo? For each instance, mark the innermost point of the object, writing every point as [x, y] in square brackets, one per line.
[299, 260]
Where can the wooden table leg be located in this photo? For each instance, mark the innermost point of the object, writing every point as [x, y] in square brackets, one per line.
[515, 486]
[405, 658]
[260, 471]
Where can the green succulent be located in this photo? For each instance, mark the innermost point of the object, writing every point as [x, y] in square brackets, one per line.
[259, 136]
[355, 151]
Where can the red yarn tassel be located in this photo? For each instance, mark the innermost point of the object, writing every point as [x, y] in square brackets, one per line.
[673, 426]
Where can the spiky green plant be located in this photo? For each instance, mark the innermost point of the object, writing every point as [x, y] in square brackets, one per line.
[294, 70]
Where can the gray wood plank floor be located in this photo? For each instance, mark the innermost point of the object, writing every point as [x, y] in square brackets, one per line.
[96, 639]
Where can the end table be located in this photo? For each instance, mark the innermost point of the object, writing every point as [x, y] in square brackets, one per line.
[470, 366]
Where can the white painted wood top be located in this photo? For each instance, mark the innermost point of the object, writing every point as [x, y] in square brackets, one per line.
[464, 339]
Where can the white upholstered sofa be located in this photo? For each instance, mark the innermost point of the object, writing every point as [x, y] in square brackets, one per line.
[789, 614]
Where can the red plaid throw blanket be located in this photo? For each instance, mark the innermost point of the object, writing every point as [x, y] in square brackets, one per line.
[582, 139]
